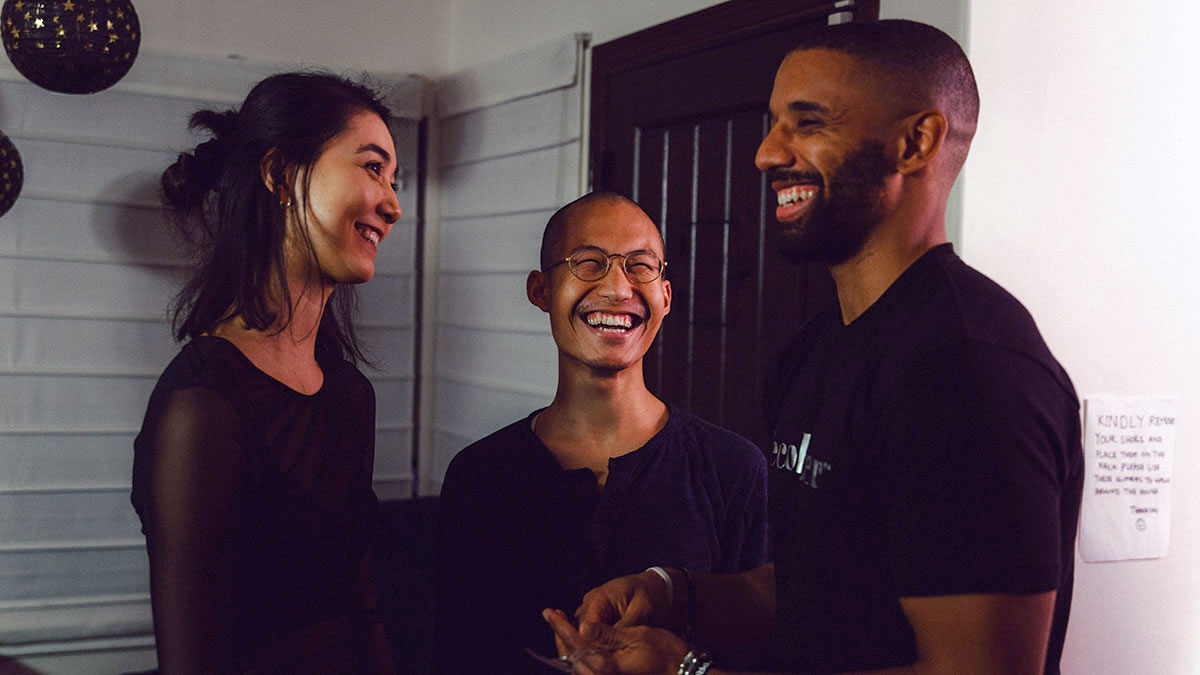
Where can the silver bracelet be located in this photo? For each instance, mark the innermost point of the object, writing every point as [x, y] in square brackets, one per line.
[662, 574]
[697, 662]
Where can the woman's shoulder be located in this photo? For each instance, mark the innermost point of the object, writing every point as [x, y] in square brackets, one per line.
[203, 360]
[196, 382]
[189, 418]
[206, 368]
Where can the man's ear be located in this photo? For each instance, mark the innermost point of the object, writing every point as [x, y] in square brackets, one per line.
[537, 291]
[918, 140]
[666, 297]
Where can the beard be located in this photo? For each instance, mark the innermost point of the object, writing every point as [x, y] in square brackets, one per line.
[847, 210]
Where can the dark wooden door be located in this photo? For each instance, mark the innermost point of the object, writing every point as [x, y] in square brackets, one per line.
[678, 111]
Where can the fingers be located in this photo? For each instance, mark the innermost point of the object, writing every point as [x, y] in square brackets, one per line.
[597, 606]
[579, 644]
[596, 658]
[634, 600]
[562, 649]
[587, 632]
[592, 665]
[635, 614]
[591, 631]
[566, 636]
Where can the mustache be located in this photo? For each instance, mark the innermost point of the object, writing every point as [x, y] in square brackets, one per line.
[779, 173]
[636, 307]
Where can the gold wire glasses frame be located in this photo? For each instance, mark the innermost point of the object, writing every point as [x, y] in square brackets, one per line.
[590, 263]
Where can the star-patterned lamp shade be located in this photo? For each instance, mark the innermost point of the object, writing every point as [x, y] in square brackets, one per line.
[12, 174]
[71, 46]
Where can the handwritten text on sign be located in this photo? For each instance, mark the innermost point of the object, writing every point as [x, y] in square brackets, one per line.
[1129, 450]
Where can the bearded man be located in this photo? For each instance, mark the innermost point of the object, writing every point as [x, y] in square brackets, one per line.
[926, 469]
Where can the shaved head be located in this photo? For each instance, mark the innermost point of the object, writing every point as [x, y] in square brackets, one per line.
[911, 65]
[556, 227]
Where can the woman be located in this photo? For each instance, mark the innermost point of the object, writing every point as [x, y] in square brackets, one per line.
[252, 471]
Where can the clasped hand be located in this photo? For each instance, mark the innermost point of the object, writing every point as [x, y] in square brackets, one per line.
[614, 633]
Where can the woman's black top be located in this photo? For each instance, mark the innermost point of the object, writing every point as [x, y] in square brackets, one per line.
[258, 512]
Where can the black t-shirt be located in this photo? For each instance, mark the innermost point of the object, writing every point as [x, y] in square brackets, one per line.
[931, 447]
[518, 534]
[258, 512]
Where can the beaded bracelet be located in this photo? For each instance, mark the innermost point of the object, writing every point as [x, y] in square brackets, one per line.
[697, 662]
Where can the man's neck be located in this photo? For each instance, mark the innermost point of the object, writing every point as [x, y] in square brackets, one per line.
[596, 416]
[887, 253]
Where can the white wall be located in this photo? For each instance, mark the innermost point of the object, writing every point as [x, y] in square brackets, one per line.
[380, 36]
[1081, 198]
[431, 37]
[948, 15]
[482, 30]
[508, 157]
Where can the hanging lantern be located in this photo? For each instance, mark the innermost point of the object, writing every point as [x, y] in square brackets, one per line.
[12, 174]
[71, 46]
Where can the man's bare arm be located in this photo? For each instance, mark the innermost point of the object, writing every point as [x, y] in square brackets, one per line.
[731, 609]
[981, 633]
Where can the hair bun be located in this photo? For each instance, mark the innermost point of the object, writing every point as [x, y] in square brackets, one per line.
[194, 174]
[187, 182]
[180, 188]
[210, 158]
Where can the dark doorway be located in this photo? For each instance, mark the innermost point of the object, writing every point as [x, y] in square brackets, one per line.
[678, 111]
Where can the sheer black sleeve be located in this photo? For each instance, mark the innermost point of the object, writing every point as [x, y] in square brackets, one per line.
[195, 483]
[455, 622]
[380, 650]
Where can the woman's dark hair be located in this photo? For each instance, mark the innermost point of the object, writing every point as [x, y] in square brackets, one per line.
[217, 197]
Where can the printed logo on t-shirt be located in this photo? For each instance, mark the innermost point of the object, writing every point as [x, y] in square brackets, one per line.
[795, 458]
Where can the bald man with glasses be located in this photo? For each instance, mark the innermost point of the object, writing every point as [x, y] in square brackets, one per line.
[607, 480]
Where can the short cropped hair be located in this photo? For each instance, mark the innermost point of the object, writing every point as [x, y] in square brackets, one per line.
[914, 60]
[556, 227]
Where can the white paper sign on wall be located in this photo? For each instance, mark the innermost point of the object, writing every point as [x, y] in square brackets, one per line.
[1129, 449]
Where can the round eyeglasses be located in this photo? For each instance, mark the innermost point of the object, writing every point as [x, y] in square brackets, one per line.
[591, 263]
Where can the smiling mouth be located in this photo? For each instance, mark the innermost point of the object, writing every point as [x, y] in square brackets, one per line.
[614, 323]
[369, 233]
[793, 200]
[795, 194]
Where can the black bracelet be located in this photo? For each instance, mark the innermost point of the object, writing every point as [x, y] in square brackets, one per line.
[691, 612]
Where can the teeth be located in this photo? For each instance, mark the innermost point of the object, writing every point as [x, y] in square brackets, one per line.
[369, 234]
[799, 193]
[598, 319]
